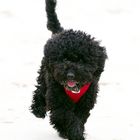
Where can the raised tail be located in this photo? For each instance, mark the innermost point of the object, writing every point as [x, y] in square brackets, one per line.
[53, 23]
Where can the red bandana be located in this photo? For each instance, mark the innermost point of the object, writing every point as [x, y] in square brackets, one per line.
[76, 96]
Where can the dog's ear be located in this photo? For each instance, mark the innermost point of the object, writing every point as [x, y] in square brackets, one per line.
[102, 56]
[38, 107]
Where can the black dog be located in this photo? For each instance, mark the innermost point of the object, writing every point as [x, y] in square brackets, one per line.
[68, 78]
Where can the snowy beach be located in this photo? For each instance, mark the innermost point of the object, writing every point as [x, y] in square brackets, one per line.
[23, 34]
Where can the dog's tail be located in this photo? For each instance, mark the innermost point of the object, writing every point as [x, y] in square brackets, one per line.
[53, 23]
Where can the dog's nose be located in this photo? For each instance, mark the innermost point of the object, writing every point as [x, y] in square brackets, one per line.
[70, 76]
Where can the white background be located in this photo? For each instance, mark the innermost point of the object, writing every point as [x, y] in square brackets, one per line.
[23, 34]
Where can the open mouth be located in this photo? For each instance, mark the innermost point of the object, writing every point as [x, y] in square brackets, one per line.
[72, 86]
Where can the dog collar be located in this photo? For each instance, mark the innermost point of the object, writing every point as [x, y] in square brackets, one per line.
[76, 96]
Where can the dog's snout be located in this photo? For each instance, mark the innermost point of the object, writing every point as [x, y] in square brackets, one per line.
[70, 76]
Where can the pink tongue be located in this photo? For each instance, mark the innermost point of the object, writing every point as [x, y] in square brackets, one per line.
[71, 84]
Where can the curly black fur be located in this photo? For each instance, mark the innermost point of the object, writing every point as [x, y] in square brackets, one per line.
[67, 52]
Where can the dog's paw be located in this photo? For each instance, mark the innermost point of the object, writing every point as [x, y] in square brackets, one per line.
[39, 112]
[54, 1]
[62, 135]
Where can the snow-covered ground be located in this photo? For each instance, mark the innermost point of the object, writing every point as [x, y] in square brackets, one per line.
[23, 34]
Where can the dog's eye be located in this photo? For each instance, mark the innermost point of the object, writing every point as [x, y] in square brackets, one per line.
[64, 60]
[81, 61]
[65, 66]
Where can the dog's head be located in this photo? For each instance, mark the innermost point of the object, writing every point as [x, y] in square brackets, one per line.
[74, 59]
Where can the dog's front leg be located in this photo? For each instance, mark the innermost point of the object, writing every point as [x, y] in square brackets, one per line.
[67, 124]
[75, 128]
[38, 107]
